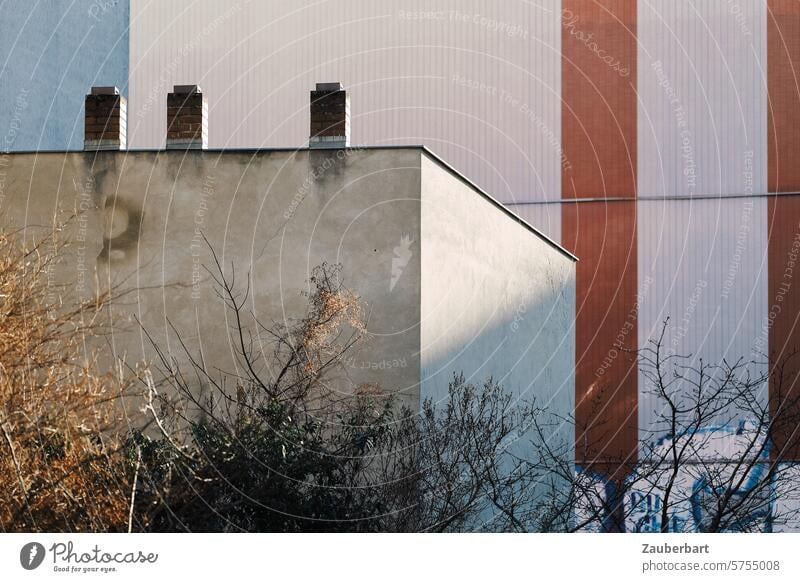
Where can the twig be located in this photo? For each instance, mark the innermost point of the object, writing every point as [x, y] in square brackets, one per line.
[19, 473]
[133, 488]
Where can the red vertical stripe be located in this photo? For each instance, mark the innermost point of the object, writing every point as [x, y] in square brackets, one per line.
[783, 81]
[599, 141]
[599, 98]
[784, 317]
[603, 236]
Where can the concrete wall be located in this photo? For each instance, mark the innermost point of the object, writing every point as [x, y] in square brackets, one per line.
[275, 215]
[453, 284]
[51, 53]
[498, 301]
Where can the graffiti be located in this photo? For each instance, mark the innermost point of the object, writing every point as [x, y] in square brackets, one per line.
[703, 475]
[402, 255]
[121, 229]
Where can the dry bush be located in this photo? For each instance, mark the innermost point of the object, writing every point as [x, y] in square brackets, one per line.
[278, 446]
[60, 466]
[287, 444]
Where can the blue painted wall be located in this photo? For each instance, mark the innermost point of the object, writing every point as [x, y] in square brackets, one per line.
[51, 53]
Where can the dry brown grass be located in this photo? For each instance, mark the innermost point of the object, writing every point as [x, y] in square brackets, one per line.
[61, 465]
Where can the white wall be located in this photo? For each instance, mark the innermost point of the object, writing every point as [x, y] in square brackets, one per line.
[497, 300]
[704, 109]
[703, 264]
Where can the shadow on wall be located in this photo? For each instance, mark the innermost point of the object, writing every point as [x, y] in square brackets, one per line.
[527, 348]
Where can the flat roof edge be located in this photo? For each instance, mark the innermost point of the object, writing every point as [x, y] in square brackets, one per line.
[214, 150]
[425, 149]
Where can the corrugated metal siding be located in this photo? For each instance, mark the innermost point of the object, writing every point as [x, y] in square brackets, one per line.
[599, 132]
[703, 264]
[783, 29]
[603, 235]
[599, 117]
[784, 316]
[703, 102]
[477, 82]
[545, 217]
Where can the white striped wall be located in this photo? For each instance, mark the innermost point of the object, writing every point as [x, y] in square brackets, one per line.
[705, 107]
[489, 102]
[545, 217]
[483, 93]
[702, 132]
[703, 264]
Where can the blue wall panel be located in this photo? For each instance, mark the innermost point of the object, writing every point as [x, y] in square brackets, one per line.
[51, 52]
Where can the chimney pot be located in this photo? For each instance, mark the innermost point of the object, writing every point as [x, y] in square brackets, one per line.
[105, 91]
[105, 120]
[329, 86]
[187, 118]
[330, 117]
[186, 89]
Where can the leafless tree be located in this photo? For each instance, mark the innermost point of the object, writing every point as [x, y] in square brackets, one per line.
[717, 455]
[464, 464]
[283, 445]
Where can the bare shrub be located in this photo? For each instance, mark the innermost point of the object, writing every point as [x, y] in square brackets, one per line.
[60, 469]
[287, 446]
[718, 455]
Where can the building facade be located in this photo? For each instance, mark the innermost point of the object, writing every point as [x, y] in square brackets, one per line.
[451, 281]
[50, 52]
[658, 140]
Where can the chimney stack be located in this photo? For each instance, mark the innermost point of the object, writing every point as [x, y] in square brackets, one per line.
[330, 117]
[187, 118]
[106, 120]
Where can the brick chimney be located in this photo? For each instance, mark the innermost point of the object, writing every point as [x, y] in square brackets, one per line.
[187, 118]
[330, 117]
[106, 120]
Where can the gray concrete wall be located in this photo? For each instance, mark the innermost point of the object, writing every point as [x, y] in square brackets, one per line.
[498, 300]
[274, 215]
[449, 284]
